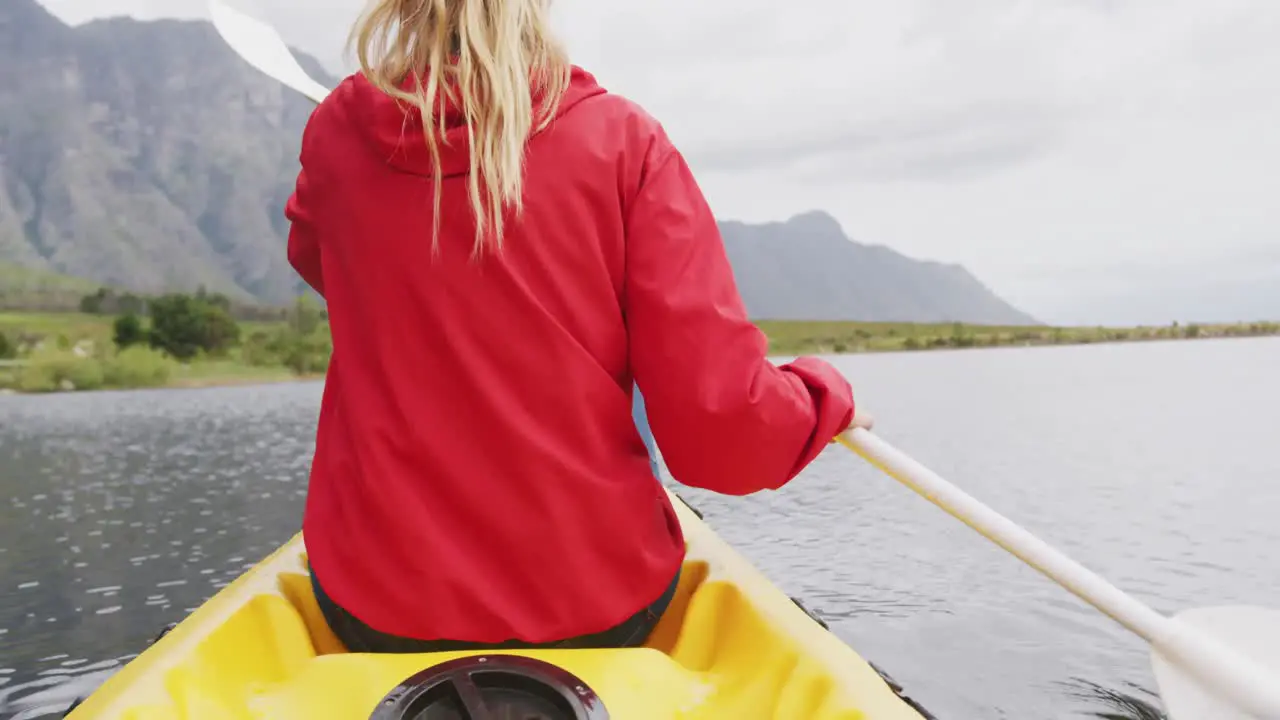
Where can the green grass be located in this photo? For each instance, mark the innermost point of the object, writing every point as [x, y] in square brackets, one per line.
[74, 326]
[9, 376]
[46, 345]
[62, 350]
[25, 288]
[787, 337]
[52, 370]
[211, 373]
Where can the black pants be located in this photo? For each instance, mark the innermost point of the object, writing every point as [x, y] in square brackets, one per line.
[359, 637]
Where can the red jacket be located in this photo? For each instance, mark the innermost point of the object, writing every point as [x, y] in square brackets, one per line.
[477, 474]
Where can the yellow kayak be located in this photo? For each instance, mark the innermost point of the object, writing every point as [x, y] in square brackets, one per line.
[732, 646]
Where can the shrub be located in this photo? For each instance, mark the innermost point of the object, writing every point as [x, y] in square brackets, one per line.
[306, 355]
[50, 370]
[128, 331]
[8, 348]
[259, 350]
[306, 316]
[138, 367]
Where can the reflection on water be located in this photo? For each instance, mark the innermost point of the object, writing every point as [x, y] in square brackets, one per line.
[120, 512]
[1134, 703]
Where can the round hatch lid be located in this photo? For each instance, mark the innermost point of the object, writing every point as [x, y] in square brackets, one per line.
[491, 687]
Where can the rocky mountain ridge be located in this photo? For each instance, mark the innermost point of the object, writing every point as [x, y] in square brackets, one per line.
[146, 155]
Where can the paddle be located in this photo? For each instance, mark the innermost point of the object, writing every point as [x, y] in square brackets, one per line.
[262, 47]
[1211, 664]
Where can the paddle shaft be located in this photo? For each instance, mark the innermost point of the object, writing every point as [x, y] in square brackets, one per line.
[1223, 670]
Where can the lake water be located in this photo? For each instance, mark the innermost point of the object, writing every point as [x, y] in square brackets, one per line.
[1153, 464]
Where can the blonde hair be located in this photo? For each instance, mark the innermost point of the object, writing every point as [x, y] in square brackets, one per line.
[489, 57]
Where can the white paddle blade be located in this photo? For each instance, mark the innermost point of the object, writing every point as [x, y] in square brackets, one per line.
[1253, 633]
[263, 48]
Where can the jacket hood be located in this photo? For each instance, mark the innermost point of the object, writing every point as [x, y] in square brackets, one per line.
[395, 131]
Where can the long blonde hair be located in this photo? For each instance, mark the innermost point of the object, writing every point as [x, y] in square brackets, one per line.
[486, 56]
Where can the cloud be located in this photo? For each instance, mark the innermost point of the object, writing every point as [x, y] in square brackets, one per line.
[1023, 139]
[863, 88]
[78, 11]
[940, 144]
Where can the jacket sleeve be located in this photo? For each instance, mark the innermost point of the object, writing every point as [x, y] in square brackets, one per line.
[304, 246]
[727, 419]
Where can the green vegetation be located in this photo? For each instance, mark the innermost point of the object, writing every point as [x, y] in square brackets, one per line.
[188, 340]
[184, 326]
[106, 301]
[301, 343]
[22, 288]
[793, 338]
[127, 331]
[178, 340]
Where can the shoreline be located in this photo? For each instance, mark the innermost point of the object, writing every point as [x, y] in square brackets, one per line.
[827, 350]
[834, 337]
[214, 382]
[247, 377]
[268, 376]
[183, 384]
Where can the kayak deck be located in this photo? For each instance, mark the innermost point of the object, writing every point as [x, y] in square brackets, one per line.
[731, 645]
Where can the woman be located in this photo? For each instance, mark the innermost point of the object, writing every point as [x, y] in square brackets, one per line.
[504, 248]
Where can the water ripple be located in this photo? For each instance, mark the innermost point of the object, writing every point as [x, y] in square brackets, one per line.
[125, 511]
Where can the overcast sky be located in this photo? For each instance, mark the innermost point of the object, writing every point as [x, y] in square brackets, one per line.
[1064, 150]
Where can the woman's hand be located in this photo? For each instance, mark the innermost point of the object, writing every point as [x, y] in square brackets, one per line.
[860, 420]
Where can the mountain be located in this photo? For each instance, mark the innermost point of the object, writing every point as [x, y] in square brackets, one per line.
[146, 155]
[807, 269]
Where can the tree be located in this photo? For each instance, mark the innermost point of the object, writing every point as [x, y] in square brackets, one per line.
[128, 331]
[105, 301]
[183, 325]
[300, 345]
[215, 299]
[306, 316]
[306, 354]
[92, 304]
[218, 329]
[130, 303]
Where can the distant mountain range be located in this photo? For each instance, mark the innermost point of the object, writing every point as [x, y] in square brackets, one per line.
[146, 155]
[807, 269]
[143, 155]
